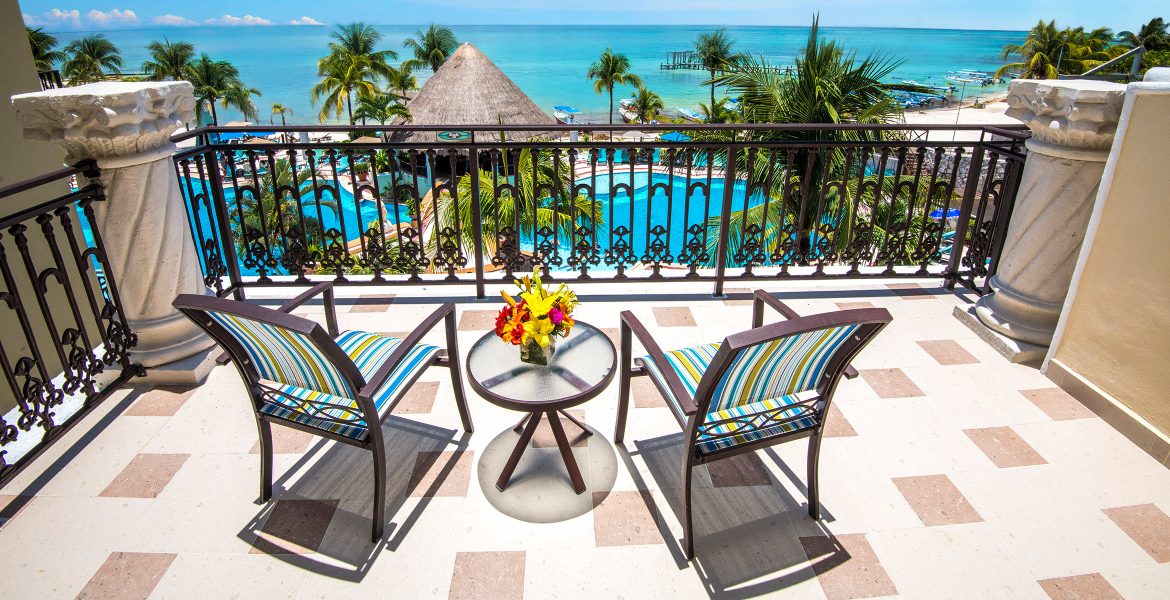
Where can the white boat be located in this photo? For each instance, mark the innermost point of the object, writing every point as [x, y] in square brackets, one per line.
[626, 103]
[690, 115]
[629, 116]
[564, 115]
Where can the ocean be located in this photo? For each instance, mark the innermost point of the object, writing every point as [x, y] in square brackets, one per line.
[549, 62]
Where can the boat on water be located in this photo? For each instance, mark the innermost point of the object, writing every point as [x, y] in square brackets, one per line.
[690, 115]
[564, 115]
[983, 78]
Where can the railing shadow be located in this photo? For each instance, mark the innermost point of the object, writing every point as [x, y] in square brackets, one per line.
[742, 534]
[342, 476]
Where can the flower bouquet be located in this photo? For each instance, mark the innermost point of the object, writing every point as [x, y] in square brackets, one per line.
[535, 320]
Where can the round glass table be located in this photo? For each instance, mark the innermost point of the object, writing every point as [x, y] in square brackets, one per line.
[581, 367]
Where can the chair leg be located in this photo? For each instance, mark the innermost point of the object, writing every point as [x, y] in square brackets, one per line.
[265, 460]
[379, 518]
[814, 453]
[624, 365]
[456, 377]
[688, 531]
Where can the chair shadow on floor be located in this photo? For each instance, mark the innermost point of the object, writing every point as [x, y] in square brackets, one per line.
[745, 543]
[319, 516]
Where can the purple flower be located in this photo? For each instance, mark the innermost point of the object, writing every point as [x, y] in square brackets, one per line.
[556, 316]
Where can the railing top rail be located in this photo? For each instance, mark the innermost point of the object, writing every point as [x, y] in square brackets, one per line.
[410, 128]
[50, 177]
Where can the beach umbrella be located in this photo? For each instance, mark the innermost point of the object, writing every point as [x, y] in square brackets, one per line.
[937, 214]
[674, 136]
[566, 109]
[237, 124]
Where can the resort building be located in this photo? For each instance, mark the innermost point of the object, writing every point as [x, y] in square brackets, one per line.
[792, 366]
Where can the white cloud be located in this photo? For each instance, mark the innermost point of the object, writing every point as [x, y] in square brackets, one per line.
[234, 20]
[305, 21]
[113, 17]
[169, 19]
[54, 18]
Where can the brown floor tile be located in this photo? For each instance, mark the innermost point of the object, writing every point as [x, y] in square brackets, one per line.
[543, 436]
[910, 291]
[395, 334]
[146, 476]
[10, 506]
[1091, 586]
[847, 567]
[286, 440]
[890, 383]
[294, 527]
[1004, 447]
[614, 334]
[1148, 526]
[853, 305]
[738, 297]
[127, 576]
[739, 471]
[644, 394]
[625, 519]
[441, 474]
[419, 399]
[836, 425]
[1058, 404]
[478, 320]
[161, 401]
[936, 500]
[674, 316]
[947, 352]
[375, 303]
[480, 575]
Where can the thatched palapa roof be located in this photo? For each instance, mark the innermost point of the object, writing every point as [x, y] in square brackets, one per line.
[469, 89]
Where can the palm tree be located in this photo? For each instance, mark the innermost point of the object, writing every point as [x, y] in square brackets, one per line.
[44, 48]
[611, 69]
[168, 60]
[829, 85]
[719, 112]
[714, 53]
[647, 104]
[381, 108]
[279, 109]
[1152, 35]
[219, 80]
[402, 79]
[352, 66]
[90, 59]
[279, 226]
[1047, 52]
[432, 47]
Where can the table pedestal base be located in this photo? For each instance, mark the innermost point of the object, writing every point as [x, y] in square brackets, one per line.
[527, 427]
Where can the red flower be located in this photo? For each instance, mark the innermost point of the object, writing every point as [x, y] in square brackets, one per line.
[517, 334]
[502, 320]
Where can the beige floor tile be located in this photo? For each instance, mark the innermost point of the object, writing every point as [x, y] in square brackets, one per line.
[644, 394]
[441, 474]
[372, 303]
[625, 518]
[1058, 404]
[890, 383]
[1004, 447]
[1148, 526]
[10, 506]
[847, 566]
[146, 476]
[911, 291]
[162, 401]
[738, 297]
[257, 577]
[477, 320]
[947, 352]
[127, 576]
[1080, 587]
[488, 575]
[854, 305]
[419, 399]
[936, 500]
[674, 316]
[1148, 582]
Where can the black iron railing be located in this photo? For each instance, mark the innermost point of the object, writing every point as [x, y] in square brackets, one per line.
[50, 79]
[65, 342]
[465, 204]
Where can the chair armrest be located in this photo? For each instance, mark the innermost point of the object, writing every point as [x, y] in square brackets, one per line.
[379, 377]
[761, 298]
[632, 324]
[330, 312]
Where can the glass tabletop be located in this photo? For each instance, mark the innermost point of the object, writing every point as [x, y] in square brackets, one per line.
[580, 367]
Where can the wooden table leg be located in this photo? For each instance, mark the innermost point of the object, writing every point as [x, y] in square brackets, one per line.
[566, 451]
[518, 451]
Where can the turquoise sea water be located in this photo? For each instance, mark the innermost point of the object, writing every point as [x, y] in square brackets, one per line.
[549, 62]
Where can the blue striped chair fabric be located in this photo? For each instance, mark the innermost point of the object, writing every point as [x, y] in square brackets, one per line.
[761, 380]
[307, 388]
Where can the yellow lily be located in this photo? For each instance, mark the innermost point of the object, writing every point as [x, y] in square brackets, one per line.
[539, 330]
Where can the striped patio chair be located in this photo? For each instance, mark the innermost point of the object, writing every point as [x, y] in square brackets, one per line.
[321, 382]
[770, 384]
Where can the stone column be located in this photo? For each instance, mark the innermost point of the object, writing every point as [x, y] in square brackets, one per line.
[1072, 123]
[127, 127]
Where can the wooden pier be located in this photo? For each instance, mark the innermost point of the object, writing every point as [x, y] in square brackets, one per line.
[687, 60]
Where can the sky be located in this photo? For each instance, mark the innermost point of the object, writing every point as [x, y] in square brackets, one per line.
[72, 15]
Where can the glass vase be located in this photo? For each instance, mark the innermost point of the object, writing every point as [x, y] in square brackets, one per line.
[533, 354]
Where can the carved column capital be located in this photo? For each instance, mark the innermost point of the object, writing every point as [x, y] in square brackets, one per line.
[117, 123]
[1073, 115]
